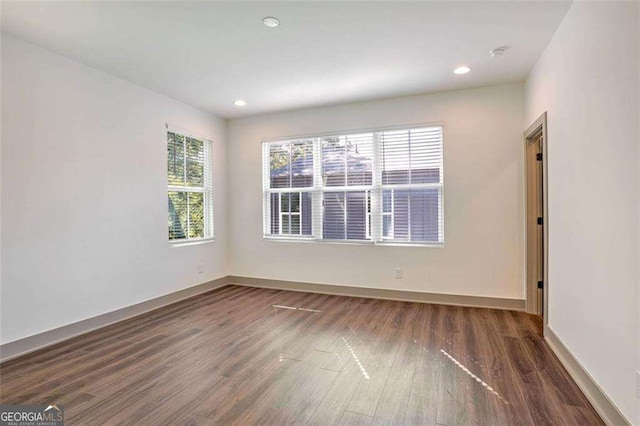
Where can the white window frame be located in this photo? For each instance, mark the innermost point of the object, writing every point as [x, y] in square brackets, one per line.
[206, 189]
[368, 215]
[374, 216]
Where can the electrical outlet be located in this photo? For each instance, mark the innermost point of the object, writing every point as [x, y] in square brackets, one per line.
[200, 268]
[398, 273]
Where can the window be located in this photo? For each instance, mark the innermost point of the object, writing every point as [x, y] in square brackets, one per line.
[381, 187]
[291, 183]
[189, 188]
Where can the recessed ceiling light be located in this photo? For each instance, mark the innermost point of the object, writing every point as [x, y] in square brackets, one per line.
[462, 69]
[271, 22]
[239, 102]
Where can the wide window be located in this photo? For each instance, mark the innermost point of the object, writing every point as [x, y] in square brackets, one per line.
[382, 187]
[189, 188]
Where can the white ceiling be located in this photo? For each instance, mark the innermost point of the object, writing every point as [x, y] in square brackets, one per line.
[207, 54]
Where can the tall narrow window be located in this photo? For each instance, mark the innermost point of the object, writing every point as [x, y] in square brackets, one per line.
[382, 187]
[190, 198]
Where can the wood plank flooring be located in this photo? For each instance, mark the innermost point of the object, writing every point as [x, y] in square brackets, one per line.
[242, 355]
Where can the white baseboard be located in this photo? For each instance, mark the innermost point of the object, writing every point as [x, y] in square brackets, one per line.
[378, 293]
[610, 414]
[47, 338]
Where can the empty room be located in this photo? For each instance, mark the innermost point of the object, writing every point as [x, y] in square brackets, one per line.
[319, 212]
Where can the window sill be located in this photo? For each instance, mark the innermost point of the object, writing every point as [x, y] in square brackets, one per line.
[352, 242]
[184, 243]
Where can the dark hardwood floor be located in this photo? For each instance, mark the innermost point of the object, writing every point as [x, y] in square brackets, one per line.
[242, 355]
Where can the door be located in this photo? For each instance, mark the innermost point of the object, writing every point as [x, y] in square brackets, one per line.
[535, 224]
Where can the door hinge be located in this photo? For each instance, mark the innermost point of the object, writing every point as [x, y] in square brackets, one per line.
[539, 156]
[540, 221]
[540, 284]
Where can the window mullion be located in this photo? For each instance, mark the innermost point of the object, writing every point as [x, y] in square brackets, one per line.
[290, 196]
[188, 217]
[280, 213]
[376, 192]
[184, 171]
[300, 213]
[440, 218]
[409, 149]
[317, 195]
[346, 184]
[290, 165]
[409, 215]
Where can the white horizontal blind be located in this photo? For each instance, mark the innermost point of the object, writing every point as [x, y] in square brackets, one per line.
[378, 187]
[190, 195]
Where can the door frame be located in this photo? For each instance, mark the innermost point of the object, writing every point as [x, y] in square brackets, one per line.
[538, 126]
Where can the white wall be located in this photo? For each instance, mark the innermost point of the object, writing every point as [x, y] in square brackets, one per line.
[483, 178]
[84, 204]
[1, 37]
[638, 281]
[587, 80]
